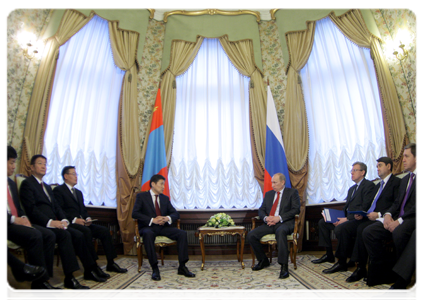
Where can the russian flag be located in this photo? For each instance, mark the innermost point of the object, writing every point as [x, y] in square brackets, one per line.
[275, 159]
[155, 157]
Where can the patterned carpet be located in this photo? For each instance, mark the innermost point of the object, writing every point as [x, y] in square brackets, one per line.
[228, 275]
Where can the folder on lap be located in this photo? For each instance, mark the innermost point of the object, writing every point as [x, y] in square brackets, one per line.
[331, 215]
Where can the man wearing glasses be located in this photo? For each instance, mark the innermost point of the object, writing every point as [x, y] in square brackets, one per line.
[71, 200]
[358, 199]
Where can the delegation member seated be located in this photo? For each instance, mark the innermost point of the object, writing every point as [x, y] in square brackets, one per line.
[359, 198]
[39, 242]
[155, 214]
[399, 223]
[383, 196]
[71, 200]
[42, 208]
[278, 211]
[406, 265]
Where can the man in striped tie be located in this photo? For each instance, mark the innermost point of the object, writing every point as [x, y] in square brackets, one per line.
[399, 223]
[382, 198]
[278, 212]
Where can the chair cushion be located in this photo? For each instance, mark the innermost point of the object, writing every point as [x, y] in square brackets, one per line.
[271, 237]
[161, 240]
[12, 245]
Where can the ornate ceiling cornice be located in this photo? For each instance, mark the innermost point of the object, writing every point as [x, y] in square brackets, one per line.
[211, 12]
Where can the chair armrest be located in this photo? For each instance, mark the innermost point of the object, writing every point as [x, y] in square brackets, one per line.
[137, 233]
[178, 224]
[253, 221]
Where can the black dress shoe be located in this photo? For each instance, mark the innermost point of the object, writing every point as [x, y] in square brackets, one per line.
[358, 274]
[29, 273]
[336, 268]
[92, 275]
[115, 268]
[184, 271]
[72, 283]
[156, 275]
[101, 273]
[40, 291]
[284, 272]
[323, 259]
[392, 293]
[50, 288]
[43, 285]
[400, 284]
[261, 265]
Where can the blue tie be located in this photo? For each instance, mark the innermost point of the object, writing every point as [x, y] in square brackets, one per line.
[372, 208]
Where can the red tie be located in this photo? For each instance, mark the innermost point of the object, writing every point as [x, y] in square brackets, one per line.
[275, 204]
[156, 204]
[12, 206]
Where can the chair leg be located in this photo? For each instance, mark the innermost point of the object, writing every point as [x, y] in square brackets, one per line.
[161, 254]
[294, 255]
[139, 255]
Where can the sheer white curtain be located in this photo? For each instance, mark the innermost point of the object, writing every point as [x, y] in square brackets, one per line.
[82, 122]
[343, 111]
[211, 163]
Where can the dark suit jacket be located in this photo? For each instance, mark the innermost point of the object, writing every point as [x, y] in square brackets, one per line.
[14, 193]
[289, 204]
[38, 207]
[410, 205]
[388, 195]
[144, 209]
[71, 207]
[361, 200]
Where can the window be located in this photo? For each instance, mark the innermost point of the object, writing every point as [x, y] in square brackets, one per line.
[82, 122]
[211, 164]
[343, 112]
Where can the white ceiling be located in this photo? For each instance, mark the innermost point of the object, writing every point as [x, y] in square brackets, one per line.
[264, 12]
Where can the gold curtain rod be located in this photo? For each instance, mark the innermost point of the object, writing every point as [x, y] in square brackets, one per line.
[211, 12]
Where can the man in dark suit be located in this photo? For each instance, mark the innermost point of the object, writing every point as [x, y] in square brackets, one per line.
[399, 223]
[406, 264]
[278, 211]
[39, 242]
[358, 199]
[42, 208]
[71, 200]
[383, 196]
[155, 214]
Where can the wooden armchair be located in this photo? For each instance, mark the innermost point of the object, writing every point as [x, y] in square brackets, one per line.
[161, 242]
[270, 241]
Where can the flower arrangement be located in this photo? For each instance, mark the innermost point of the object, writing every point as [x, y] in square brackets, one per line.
[220, 220]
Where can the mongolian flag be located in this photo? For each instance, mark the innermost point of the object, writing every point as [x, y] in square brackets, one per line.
[275, 159]
[155, 157]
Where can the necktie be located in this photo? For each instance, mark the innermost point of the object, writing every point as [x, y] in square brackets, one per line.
[74, 194]
[372, 208]
[156, 205]
[406, 194]
[356, 187]
[45, 191]
[12, 206]
[275, 204]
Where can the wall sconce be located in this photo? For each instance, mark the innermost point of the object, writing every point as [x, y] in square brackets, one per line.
[402, 35]
[26, 40]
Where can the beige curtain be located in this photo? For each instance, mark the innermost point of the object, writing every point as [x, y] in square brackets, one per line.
[241, 55]
[295, 129]
[124, 47]
[353, 26]
[182, 55]
[71, 23]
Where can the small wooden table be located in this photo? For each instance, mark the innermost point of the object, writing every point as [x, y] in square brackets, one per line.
[232, 230]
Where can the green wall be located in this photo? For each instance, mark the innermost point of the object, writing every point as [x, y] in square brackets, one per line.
[188, 27]
[129, 19]
[295, 19]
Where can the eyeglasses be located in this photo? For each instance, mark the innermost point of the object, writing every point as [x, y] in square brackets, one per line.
[74, 174]
[41, 164]
[355, 170]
